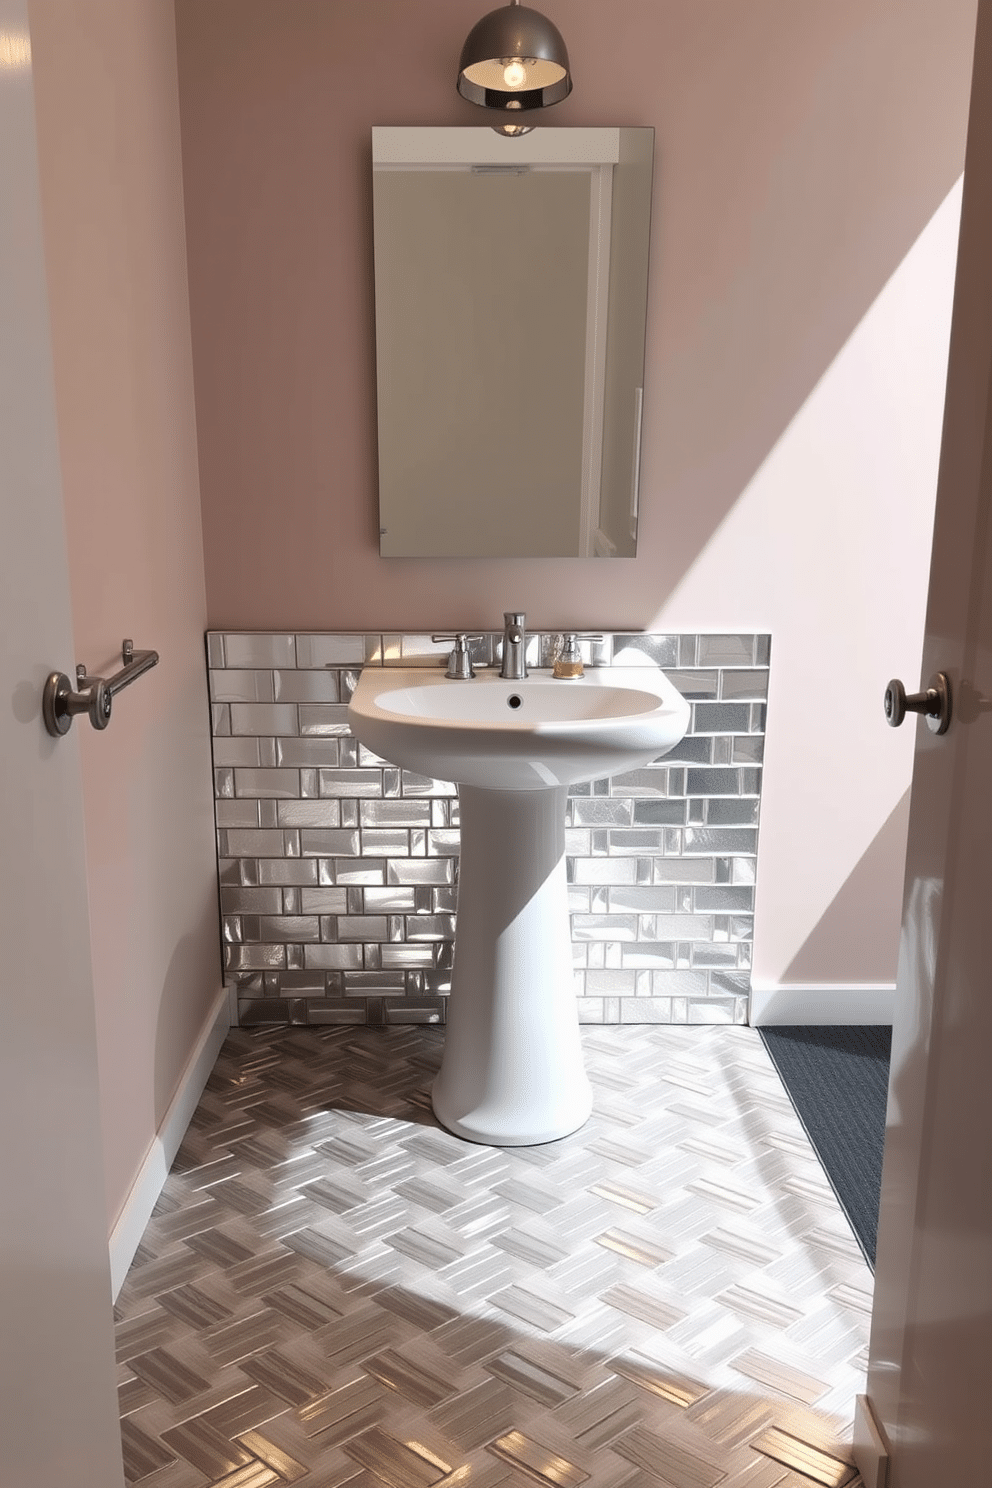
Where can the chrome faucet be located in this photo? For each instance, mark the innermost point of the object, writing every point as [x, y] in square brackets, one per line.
[514, 664]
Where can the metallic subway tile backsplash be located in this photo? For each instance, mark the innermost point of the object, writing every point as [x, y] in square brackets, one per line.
[338, 870]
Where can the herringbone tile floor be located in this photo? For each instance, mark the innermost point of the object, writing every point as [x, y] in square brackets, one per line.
[335, 1290]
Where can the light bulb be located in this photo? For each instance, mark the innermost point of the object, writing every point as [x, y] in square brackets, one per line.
[514, 73]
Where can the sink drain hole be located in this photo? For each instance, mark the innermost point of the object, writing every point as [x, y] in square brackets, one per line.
[514, 700]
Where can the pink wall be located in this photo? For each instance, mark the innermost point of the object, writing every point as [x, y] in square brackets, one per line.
[108, 139]
[802, 259]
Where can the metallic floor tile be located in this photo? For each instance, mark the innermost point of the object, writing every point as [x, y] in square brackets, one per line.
[335, 1291]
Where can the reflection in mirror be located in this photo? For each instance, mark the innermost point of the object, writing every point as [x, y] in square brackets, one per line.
[510, 293]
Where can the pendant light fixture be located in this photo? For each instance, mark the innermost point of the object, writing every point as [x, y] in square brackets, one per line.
[514, 59]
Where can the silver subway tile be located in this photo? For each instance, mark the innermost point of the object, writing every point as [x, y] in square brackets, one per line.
[360, 927]
[267, 814]
[395, 814]
[323, 901]
[654, 899]
[289, 928]
[254, 957]
[260, 1010]
[236, 843]
[443, 843]
[220, 719]
[291, 903]
[636, 842]
[724, 718]
[267, 753]
[230, 872]
[650, 955]
[308, 813]
[744, 684]
[244, 900]
[317, 842]
[334, 1011]
[663, 650]
[430, 927]
[284, 783]
[332, 649]
[712, 1010]
[413, 1009]
[592, 1009]
[319, 720]
[713, 782]
[653, 780]
[749, 749]
[352, 870]
[714, 955]
[390, 782]
[215, 649]
[600, 811]
[674, 842]
[688, 650]
[604, 927]
[762, 650]
[334, 957]
[240, 686]
[599, 842]
[412, 784]
[395, 928]
[723, 749]
[726, 813]
[578, 841]
[684, 927]
[684, 871]
[223, 783]
[735, 983]
[653, 813]
[347, 682]
[745, 952]
[600, 871]
[726, 650]
[366, 983]
[308, 784]
[720, 840]
[236, 752]
[580, 900]
[742, 870]
[350, 814]
[231, 929]
[305, 687]
[372, 957]
[350, 782]
[420, 871]
[441, 814]
[419, 956]
[316, 754]
[696, 813]
[679, 983]
[693, 749]
[645, 1010]
[751, 781]
[759, 713]
[263, 718]
[355, 756]
[385, 842]
[396, 898]
[288, 871]
[695, 684]
[741, 927]
[354, 900]
[259, 649]
[615, 983]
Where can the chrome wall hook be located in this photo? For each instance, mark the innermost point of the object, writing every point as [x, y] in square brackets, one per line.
[61, 703]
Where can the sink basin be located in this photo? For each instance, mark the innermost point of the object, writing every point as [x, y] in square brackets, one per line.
[512, 1073]
[529, 735]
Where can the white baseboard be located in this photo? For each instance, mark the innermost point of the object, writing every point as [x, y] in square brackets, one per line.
[871, 1455]
[134, 1216]
[818, 1005]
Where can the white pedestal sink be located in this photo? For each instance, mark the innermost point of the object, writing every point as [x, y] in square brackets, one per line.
[512, 1072]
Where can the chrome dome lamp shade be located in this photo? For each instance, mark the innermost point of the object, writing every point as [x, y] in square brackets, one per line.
[514, 59]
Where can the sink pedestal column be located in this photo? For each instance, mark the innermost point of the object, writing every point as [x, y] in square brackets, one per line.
[512, 1073]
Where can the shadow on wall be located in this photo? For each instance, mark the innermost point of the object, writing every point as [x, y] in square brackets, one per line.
[799, 155]
[830, 952]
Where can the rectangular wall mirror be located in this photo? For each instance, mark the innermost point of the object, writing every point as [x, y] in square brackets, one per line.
[510, 298]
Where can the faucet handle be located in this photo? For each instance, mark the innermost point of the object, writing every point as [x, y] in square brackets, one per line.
[567, 661]
[459, 661]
